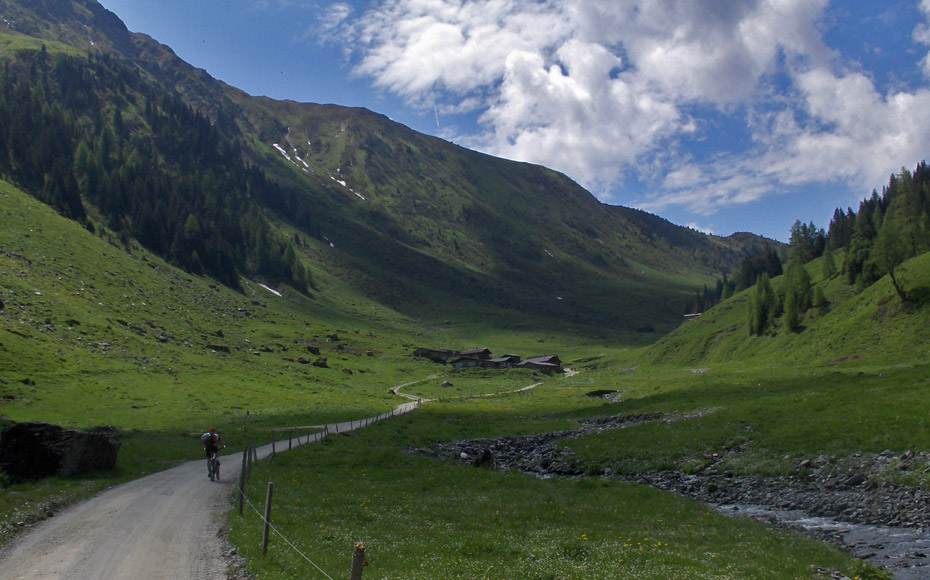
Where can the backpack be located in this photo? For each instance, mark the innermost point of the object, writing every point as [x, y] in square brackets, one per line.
[209, 439]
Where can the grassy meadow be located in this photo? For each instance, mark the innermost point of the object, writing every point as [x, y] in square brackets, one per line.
[94, 333]
[423, 518]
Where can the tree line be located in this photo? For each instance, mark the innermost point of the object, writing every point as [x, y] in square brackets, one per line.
[81, 132]
[861, 246]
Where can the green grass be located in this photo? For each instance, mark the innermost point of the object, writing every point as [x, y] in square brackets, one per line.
[873, 326]
[776, 415]
[94, 334]
[426, 519]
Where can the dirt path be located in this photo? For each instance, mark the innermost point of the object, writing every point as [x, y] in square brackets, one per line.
[162, 526]
[396, 390]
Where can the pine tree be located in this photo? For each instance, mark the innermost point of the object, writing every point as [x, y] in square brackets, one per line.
[806, 242]
[791, 318]
[762, 306]
[820, 300]
[798, 283]
[829, 263]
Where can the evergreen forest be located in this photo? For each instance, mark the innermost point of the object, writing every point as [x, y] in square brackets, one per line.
[92, 128]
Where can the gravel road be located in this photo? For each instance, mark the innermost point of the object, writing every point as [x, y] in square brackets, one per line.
[162, 526]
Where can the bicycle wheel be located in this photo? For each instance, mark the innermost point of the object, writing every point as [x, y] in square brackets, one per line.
[216, 468]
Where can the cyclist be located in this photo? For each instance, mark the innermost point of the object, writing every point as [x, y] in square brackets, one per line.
[211, 444]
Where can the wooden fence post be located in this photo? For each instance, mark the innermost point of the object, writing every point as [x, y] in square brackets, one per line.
[272, 442]
[290, 439]
[358, 562]
[267, 517]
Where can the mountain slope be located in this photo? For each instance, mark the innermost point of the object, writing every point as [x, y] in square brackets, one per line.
[515, 235]
[416, 222]
[873, 327]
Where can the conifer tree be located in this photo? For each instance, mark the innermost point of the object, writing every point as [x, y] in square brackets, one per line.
[762, 306]
[798, 283]
[791, 318]
[820, 300]
[829, 263]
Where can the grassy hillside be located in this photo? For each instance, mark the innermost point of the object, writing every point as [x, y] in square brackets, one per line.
[88, 321]
[413, 222]
[852, 382]
[91, 334]
[96, 333]
[413, 242]
[444, 222]
[872, 327]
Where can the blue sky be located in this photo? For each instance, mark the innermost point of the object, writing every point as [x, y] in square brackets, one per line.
[743, 115]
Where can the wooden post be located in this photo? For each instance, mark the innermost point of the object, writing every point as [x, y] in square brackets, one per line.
[272, 442]
[267, 517]
[290, 439]
[242, 480]
[358, 562]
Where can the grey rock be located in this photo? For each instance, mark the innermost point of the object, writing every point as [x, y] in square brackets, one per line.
[37, 450]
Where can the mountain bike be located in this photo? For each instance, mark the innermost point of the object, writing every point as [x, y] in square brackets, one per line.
[214, 466]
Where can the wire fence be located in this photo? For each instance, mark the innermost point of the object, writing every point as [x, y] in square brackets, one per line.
[323, 431]
[319, 436]
[281, 535]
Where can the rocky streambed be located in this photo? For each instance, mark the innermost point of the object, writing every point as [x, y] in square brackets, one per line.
[852, 501]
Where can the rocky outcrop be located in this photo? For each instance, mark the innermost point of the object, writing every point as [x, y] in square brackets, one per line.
[37, 450]
[537, 454]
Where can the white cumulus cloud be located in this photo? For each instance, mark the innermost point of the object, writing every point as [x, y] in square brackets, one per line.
[609, 90]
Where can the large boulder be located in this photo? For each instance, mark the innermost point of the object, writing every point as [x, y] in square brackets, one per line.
[36, 450]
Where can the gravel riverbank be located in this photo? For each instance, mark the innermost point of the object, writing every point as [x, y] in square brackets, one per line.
[851, 501]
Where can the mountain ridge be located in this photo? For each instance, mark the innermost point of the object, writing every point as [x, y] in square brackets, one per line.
[415, 219]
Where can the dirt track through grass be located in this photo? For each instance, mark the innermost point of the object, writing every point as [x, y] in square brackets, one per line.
[163, 526]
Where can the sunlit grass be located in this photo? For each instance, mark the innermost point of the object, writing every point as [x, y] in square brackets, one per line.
[84, 347]
[770, 417]
[425, 519]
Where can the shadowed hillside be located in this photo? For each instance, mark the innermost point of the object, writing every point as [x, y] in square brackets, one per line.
[418, 223]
